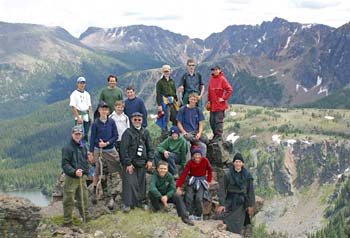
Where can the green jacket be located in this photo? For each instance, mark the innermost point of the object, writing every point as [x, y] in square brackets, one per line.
[178, 146]
[165, 88]
[110, 96]
[161, 186]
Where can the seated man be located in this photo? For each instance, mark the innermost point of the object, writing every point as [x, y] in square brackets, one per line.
[190, 121]
[173, 150]
[162, 190]
[197, 188]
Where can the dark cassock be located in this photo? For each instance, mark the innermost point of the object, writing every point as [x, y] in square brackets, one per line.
[236, 195]
[136, 152]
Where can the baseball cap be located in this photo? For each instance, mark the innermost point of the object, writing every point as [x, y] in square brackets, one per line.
[77, 129]
[81, 79]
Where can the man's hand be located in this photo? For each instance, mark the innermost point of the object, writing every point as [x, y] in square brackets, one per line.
[79, 172]
[250, 211]
[220, 209]
[149, 165]
[91, 158]
[103, 144]
[166, 154]
[198, 135]
[79, 120]
[179, 191]
[160, 108]
[130, 169]
[221, 99]
[181, 89]
[164, 200]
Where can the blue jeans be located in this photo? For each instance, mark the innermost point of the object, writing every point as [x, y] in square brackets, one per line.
[173, 160]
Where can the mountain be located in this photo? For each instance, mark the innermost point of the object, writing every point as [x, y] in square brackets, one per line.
[148, 41]
[39, 66]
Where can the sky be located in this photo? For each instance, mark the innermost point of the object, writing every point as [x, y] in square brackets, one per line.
[194, 18]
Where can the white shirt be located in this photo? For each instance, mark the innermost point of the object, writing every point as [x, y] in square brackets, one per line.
[81, 101]
[122, 123]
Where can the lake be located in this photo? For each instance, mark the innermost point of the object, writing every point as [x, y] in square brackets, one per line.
[35, 196]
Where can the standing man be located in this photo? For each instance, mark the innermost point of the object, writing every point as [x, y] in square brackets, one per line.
[112, 93]
[137, 155]
[219, 91]
[166, 100]
[104, 134]
[236, 195]
[191, 82]
[75, 166]
[80, 102]
[190, 120]
[135, 104]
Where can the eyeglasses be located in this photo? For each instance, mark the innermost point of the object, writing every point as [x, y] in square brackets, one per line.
[191, 65]
[137, 119]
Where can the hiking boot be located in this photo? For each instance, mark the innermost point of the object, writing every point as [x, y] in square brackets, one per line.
[67, 224]
[187, 221]
[110, 204]
[126, 209]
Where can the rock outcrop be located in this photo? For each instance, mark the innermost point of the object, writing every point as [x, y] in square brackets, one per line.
[19, 218]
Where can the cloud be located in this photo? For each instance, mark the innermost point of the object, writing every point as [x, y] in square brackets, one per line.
[160, 18]
[131, 14]
[315, 4]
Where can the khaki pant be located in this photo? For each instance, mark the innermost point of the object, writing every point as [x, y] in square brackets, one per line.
[71, 191]
[111, 158]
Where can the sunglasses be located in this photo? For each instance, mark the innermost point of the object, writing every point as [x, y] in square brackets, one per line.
[166, 71]
[191, 65]
[82, 82]
[137, 119]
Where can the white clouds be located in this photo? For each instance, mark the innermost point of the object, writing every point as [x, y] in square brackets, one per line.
[193, 18]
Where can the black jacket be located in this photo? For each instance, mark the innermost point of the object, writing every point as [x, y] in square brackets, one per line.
[131, 140]
[74, 156]
[236, 188]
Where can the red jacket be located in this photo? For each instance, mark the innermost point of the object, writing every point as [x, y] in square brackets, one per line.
[219, 87]
[196, 170]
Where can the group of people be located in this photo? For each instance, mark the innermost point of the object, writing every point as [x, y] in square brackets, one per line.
[121, 144]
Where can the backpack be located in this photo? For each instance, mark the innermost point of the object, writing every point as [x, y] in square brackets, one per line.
[184, 78]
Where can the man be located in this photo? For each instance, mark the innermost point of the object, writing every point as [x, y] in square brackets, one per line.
[197, 189]
[173, 150]
[137, 155]
[219, 91]
[190, 121]
[236, 195]
[76, 167]
[191, 82]
[80, 102]
[135, 104]
[162, 191]
[166, 100]
[102, 144]
[112, 93]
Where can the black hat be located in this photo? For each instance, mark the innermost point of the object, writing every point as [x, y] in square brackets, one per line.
[136, 114]
[215, 67]
[77, 129]
[238, 156]
[102, 104]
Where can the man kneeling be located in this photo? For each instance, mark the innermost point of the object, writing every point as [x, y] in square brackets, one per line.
[162, 190]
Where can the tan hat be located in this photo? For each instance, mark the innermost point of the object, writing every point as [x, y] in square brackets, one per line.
[166, 68]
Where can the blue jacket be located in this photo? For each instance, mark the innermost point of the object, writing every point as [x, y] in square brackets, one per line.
[105, 131]
[136, 105]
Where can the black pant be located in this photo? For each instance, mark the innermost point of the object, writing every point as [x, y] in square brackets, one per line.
[196, 197]
[176, 199]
